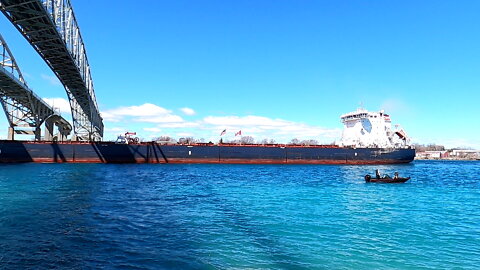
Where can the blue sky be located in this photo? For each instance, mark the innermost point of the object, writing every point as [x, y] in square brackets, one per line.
[275, 69]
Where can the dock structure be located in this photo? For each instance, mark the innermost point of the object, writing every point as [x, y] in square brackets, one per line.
[52, 30]
[25, 111]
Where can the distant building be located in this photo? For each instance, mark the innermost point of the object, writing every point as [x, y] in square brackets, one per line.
[433, 155]
[449, 154]
[466, 154]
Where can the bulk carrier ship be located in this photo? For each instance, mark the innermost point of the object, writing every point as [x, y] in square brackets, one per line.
[368, 138]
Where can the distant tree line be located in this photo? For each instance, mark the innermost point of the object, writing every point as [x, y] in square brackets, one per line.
[428, 147]
[436, 147]
[183, 140]
[240, 140]
[296, 141]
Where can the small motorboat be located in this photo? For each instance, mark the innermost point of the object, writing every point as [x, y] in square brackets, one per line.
[369, 179]
[385, 179]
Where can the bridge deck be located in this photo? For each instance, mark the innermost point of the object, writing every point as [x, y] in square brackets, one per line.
[57, 39]
[22, 107]
[12, 88]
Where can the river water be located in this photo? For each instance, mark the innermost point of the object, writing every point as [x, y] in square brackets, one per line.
[199, 216]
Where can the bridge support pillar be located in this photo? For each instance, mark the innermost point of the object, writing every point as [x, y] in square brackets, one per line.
[11, 133]
[63, 134]
[64, 129]
[48, 130]
[38, 134]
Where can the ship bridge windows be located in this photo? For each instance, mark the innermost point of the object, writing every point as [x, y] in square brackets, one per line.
[356, 116]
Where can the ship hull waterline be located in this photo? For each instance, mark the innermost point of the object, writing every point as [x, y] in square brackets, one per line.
[108, 152]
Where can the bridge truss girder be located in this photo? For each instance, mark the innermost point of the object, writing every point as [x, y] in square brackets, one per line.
[22, 107]
[51, 28]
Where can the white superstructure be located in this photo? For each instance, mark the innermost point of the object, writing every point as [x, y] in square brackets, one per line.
[371, 129]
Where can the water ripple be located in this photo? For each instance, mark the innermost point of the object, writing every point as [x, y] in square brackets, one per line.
[89, 216]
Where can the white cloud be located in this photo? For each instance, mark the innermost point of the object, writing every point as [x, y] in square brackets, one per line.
[114, 129]
[149, 113]
[59, 104]
[110, 117]
[260, 127]
[146, 109]
[152, 129]
[188, 111]
[180, 125]
[168, 118]
[53, 80]
[250, 120]
[264, 127]
[185, 134]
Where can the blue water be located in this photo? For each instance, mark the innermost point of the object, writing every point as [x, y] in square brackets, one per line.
[90, 216]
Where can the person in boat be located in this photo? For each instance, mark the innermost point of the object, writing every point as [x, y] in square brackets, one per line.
[395, 175]
[378, 175]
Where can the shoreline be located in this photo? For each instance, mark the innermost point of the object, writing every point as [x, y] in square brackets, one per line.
[448, 159]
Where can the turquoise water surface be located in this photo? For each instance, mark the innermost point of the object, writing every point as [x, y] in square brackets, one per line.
[194, 216]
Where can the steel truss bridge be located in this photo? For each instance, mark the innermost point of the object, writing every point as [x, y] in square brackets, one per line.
[51, 28]
[23, 108]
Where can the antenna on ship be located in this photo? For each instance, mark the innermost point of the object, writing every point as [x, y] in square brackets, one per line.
[360, 106]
